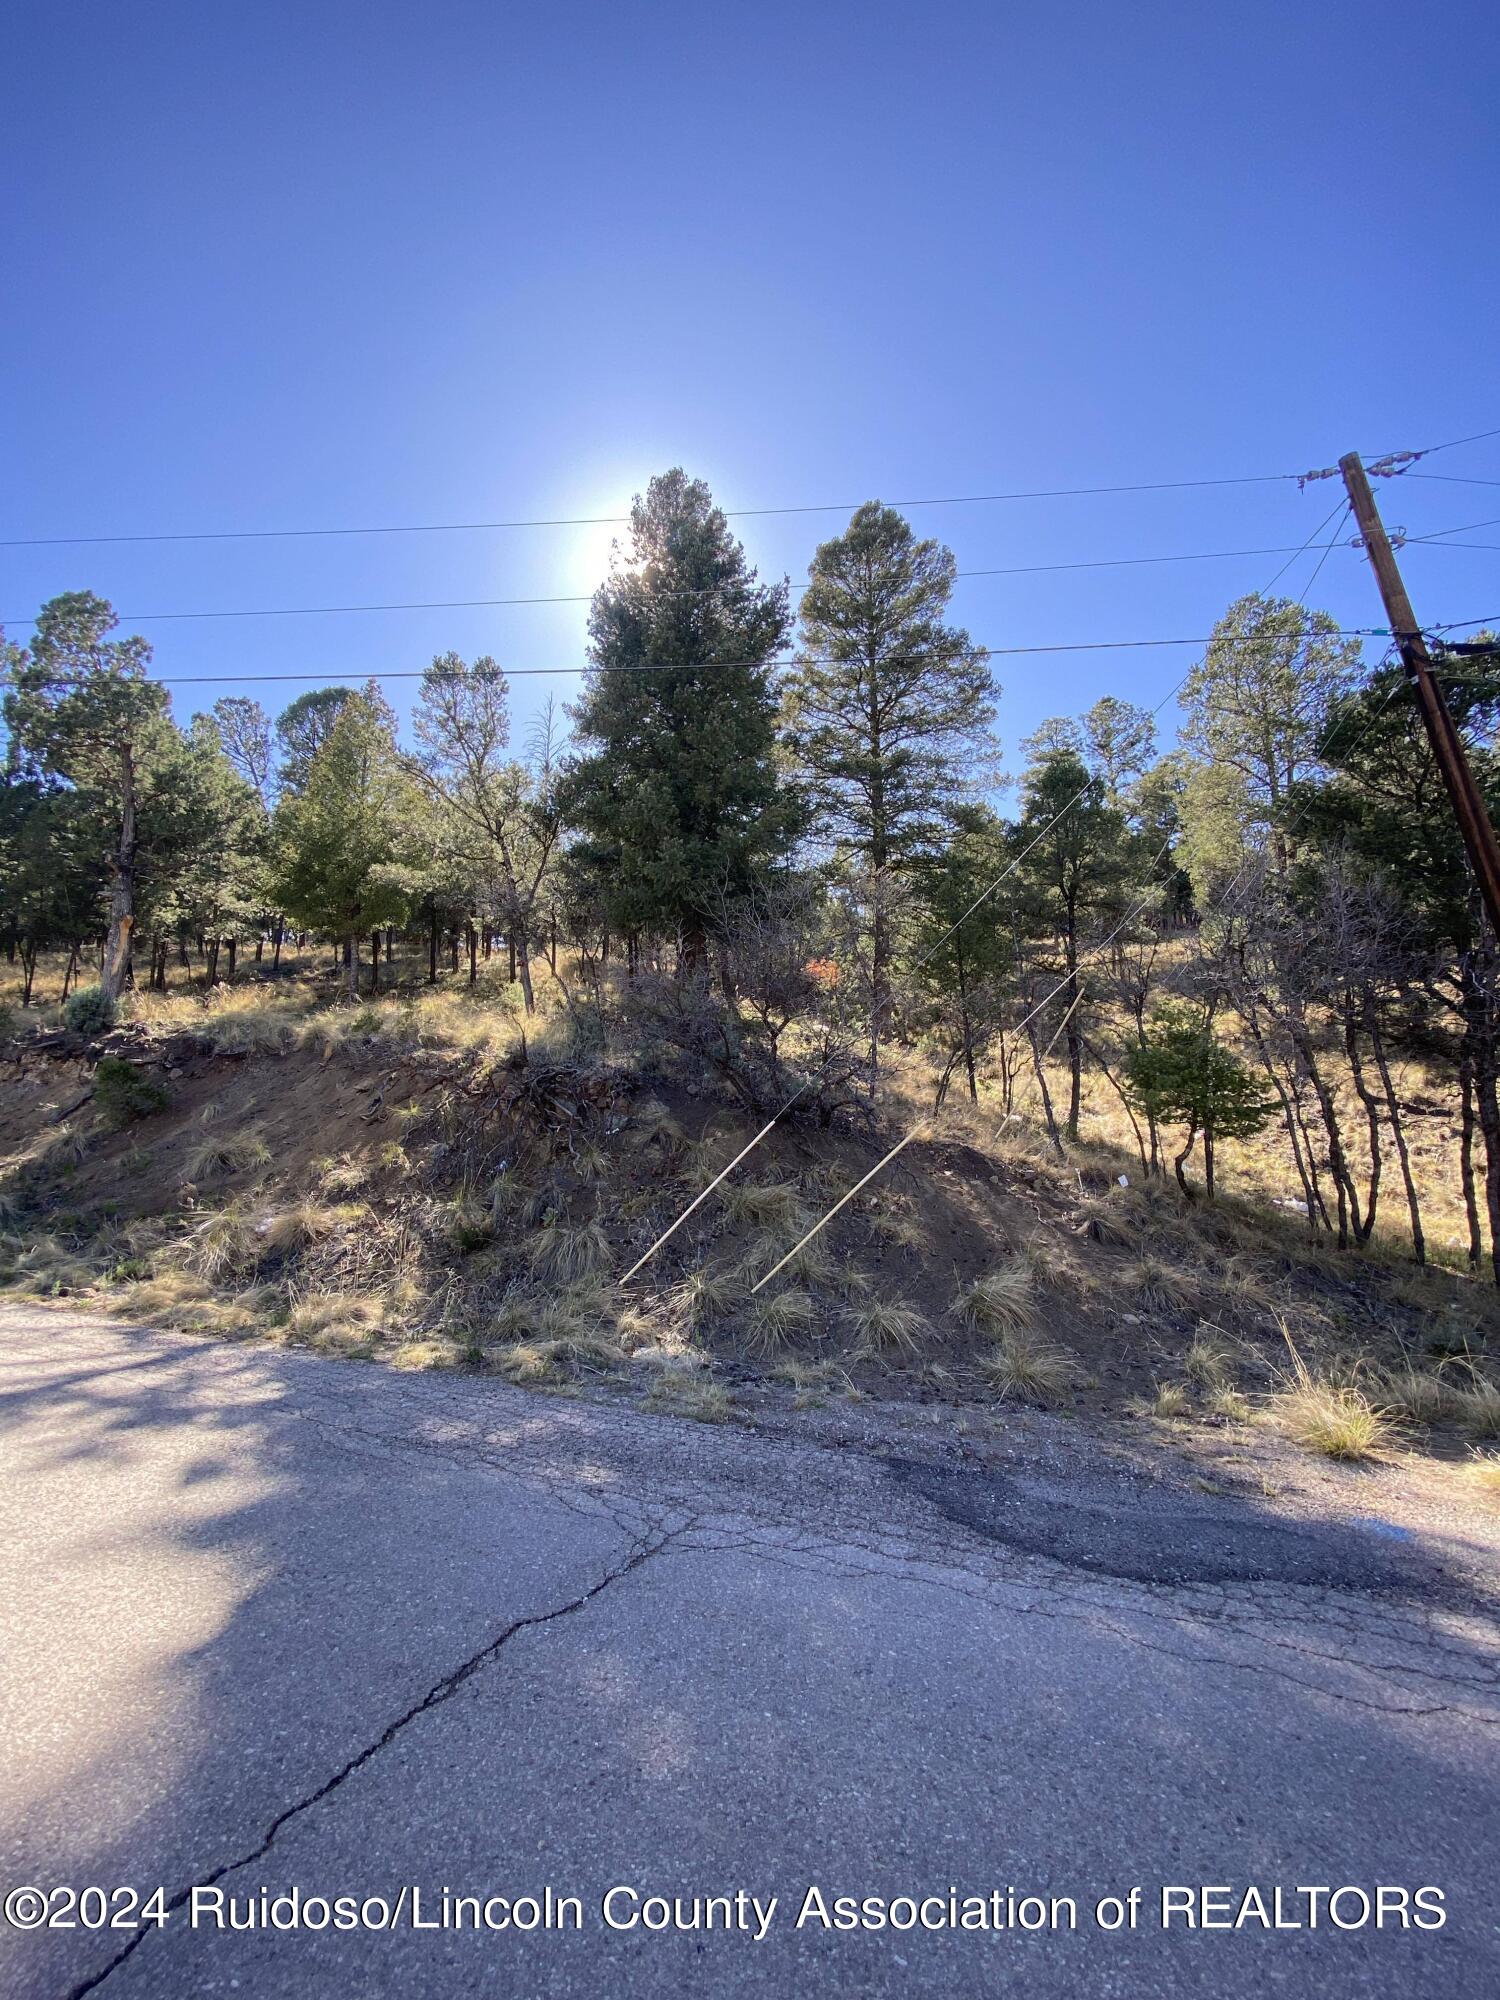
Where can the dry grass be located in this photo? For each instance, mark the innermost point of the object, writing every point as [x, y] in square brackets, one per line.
[810, 1263]
[1209, 1361]
[886, 1326]
[676, 1393]
[226, 1153]
[337, 1322]
[1002, 1302]
[419, 1356]
[1250, 1287]
[768, 1204]
[46, 1269]
[283, 1232]
[1160, 1286]
[1054, 1262]
[1029, 1369]
[900, 1227]
[1419, 1397]
[165, 1296]
[778, 1317]
[1479, 1410]
[223, 1242]
[527, 1363]
[1334, 1419]
[1483, 1471]
[347, 1174]
[468, 1222]
[709, 1294]
[1104, 1219]
[565, 1252]
[1169, 1401]
[1228, 1403]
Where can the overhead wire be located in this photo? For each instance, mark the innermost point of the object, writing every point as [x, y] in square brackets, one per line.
[730, 513]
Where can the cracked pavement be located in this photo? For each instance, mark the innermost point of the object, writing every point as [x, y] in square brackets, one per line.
[272, 1620]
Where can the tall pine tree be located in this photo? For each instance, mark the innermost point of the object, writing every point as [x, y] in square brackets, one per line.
[888, 712]
[677, 802]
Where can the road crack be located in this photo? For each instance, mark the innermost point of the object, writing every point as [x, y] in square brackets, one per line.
[641, 1552]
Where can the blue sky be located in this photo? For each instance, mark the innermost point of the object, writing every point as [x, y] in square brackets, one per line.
[320, 264]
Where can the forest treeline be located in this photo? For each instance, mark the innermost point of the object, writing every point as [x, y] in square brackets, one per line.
[767, 840]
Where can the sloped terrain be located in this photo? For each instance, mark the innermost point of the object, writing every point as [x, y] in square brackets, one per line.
[346, 1182]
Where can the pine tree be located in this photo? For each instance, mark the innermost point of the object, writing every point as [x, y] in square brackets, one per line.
[1182, 1072]
[1075, 860]
[677, 801]
[81, 708]
[1254, 707]
[346, 843]
[887, 712]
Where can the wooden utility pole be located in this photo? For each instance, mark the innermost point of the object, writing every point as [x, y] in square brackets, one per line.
[1447, 744]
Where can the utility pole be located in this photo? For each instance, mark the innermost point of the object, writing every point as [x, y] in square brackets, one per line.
[1464, 794]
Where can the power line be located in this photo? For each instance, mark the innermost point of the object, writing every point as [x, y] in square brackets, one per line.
[707, 666]
[587, 597]
[730, 513]
[622, 520]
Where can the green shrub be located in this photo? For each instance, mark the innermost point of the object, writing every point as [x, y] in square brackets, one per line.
[89, 1012]
[122, 1094]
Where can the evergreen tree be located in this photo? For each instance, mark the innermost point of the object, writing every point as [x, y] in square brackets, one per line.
[1254, 708]
[302, 728]
[1076, 862]
[82, 709]
[677, 801]
[887, 712]
[245, 733]
[345, 841]
[1180, 1071]
[966, 957]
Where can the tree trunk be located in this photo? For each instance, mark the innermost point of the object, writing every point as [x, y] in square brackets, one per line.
[121, 887]
[520, 958]
[1372, 1117]
[432, 950]
[1466, 1158]
[473, 940]
[374, 961]
[964, 1023]
[351, 961]
[1348, 1194]
[1398, 1131]
[1181, 1159]
[1041, 1077]
[234, 945]
[276, 944]
[1481, 1027]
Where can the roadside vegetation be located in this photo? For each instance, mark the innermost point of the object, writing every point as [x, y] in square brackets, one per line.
[407, 1045]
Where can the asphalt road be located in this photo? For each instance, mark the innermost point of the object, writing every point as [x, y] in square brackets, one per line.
[273, 1623]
